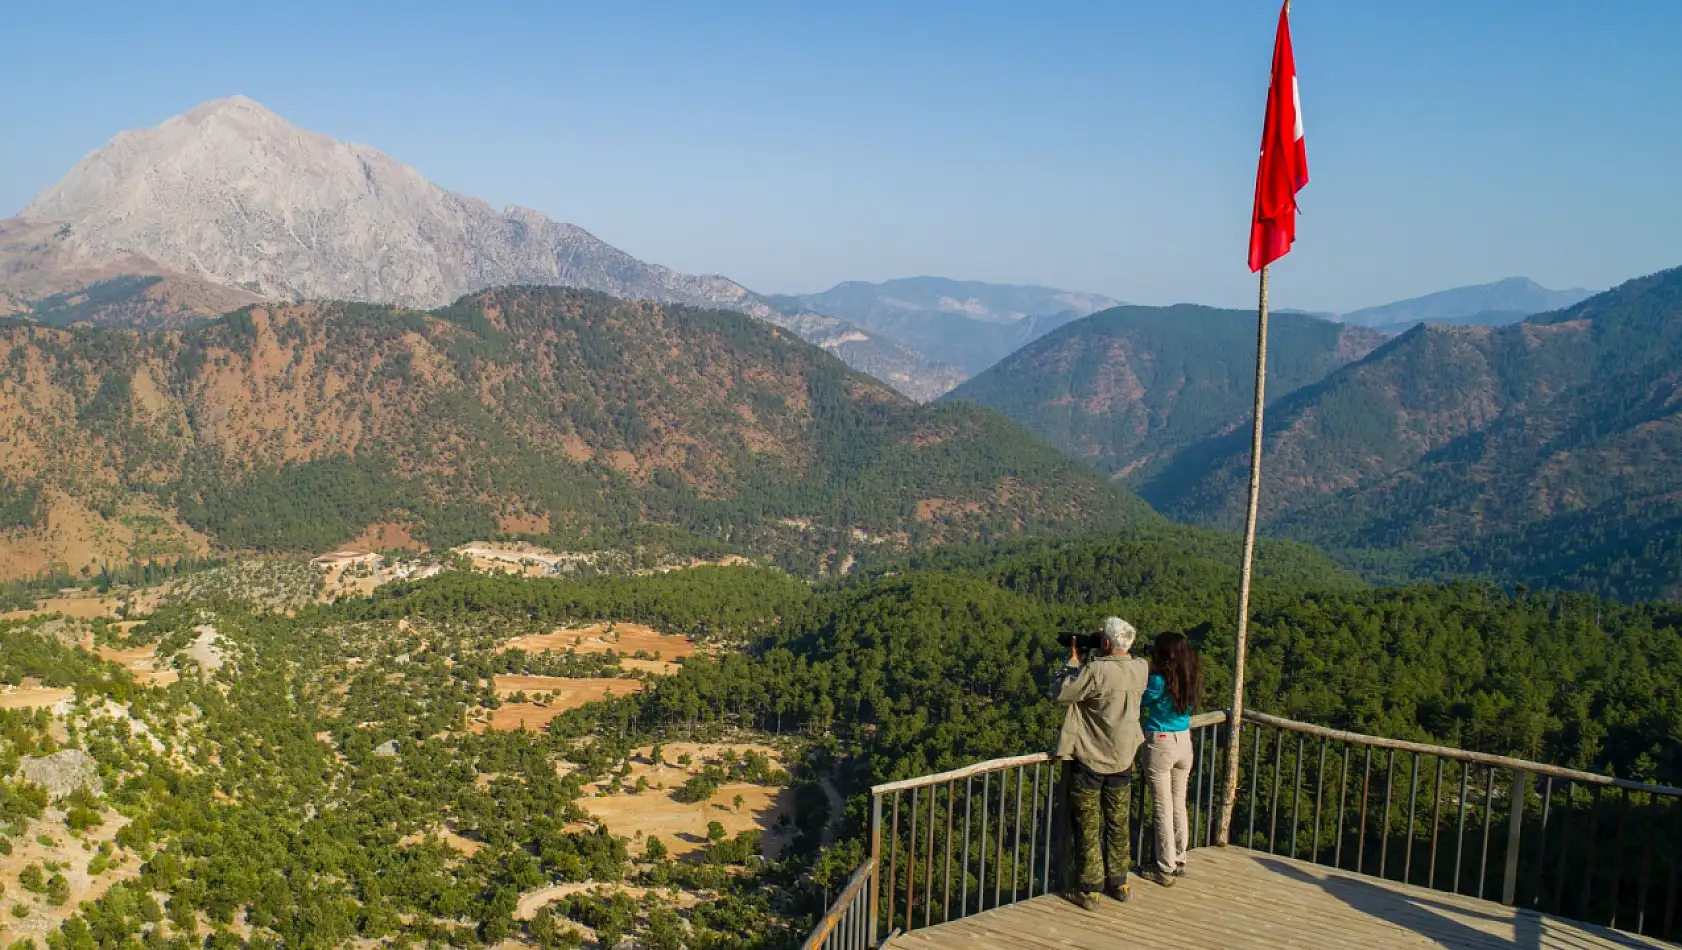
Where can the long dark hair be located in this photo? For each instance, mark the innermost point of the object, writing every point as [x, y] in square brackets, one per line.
[1181, 667]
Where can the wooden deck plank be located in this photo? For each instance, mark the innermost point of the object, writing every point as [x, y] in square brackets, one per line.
[1235, 898]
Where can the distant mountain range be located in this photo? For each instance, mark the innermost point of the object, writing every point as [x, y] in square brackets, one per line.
[541, 411]
[988, 303]
[1495, 304]
[1127, 388]
[1543, 452]
[964, 323]
[229, 204]
[1483, 318]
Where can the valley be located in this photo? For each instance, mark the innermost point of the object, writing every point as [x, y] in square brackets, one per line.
[1535, 452]
[388, 568]
[267, 771]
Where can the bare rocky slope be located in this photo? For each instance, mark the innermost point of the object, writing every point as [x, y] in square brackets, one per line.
[231, 195]
[548, 412]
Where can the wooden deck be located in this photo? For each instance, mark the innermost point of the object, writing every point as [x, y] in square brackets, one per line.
[1235, 898]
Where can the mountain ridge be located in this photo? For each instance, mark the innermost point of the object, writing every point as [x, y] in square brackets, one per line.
[1459, 304]
[1126, 388]
[1537, 452]
[231, 194]
[969, 324]
[532, 411]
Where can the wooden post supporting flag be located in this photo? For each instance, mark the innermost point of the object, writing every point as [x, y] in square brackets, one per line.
[1281, 172]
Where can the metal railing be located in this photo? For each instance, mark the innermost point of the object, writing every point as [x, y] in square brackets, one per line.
[946, 846]
[848, 925]
[1573, 844]
[943, 847]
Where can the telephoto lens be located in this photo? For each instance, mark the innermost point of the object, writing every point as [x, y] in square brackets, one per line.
[1083, 641]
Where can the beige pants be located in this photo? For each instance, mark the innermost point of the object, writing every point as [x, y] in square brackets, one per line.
[1168, 768]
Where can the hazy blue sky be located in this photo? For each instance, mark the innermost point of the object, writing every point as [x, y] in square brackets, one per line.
[1105, 146]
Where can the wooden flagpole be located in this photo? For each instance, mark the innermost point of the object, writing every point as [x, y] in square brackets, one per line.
[1241, 643]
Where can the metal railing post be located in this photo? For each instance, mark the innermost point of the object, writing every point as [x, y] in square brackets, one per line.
[1515, 829]
[875, 888]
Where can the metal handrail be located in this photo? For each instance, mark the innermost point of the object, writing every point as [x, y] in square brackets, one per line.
[993, 765]
[968, 771]
[1649, 902]
[994, 823]
[846, 910]
[1460, 755]
[1564, 847]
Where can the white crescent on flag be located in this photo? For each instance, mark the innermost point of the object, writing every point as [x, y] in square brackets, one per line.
[1296, 106]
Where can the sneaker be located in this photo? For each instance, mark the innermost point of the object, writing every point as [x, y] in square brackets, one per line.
[1085, 900]
[1180, 871]
[1157, 877]
[1119, 893]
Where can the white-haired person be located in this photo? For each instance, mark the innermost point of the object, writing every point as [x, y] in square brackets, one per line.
[1100, 739]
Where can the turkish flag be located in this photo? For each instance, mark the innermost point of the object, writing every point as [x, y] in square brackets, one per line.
[1283, 168]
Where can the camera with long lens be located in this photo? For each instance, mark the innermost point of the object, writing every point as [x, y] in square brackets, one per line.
[1080, 641]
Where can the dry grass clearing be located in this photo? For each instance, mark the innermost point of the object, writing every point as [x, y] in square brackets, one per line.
[68, 851]
[682, 826]
[88, 605]
[33, 697]
[139, 661]
[78, 606]
[533, 901]
[567, 694]
[466, 847]
[624, 639]
[351, 576]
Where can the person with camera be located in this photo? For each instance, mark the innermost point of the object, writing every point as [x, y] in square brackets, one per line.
[1176, 681]
[1099, 741]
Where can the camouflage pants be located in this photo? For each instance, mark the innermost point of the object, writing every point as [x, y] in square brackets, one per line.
[1098, 823]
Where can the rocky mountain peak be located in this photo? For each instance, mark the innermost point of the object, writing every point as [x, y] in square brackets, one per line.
[231, 194]
[233, 106]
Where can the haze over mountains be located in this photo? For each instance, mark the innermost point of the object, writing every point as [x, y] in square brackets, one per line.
[965, 323]
[230, 194]
[1530, 451]
[1541, 452]
[1494, 304]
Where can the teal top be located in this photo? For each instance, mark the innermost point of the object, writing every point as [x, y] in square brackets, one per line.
[1156, 708]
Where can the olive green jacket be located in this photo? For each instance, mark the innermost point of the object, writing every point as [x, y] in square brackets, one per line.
[1101, 727]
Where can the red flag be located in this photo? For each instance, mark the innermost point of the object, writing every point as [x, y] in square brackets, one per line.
[1283, 168]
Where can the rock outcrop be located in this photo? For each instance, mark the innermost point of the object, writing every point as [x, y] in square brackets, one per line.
[62, 772]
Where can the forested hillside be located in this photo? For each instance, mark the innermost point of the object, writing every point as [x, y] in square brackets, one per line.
[1126, 388]
[944, 659]
[543, 412]
[360, 772]
[1540, 453]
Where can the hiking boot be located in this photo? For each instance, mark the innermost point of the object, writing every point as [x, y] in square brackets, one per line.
[1155, 876]
[1085, 900]
[1118, 893]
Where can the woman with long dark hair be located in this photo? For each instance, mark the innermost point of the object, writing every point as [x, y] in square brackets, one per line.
[1176, 683]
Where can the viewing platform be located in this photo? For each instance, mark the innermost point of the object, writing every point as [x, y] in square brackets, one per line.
[1337, 840]
[1234, 898]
